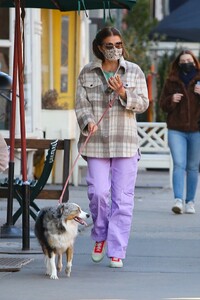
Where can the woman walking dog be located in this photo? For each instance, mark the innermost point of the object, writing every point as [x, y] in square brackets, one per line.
[112, 151]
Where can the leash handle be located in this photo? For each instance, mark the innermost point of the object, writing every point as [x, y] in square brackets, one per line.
[84, 144]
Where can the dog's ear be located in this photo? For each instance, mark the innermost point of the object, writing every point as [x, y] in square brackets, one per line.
[60, 210]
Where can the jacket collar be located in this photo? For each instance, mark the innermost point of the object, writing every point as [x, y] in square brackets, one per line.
[97, 63]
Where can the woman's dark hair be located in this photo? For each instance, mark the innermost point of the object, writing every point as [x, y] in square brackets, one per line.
[175, 63]
[101, 35]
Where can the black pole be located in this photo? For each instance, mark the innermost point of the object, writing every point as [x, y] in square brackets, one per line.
[66, 168]
[10, 194]
[26, 217]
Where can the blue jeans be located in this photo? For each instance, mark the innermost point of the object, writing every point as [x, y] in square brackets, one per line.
[185, 151]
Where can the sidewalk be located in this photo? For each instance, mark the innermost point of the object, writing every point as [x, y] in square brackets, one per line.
[163, 256]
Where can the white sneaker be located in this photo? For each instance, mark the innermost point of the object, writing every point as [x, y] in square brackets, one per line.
[116, 262]
[189, 208]
[98, 251]
[178, 206]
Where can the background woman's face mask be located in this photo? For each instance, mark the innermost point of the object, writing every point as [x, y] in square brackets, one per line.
[112, 54]
[187, 67]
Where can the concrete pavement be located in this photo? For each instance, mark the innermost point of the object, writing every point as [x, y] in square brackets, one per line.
[163, 256]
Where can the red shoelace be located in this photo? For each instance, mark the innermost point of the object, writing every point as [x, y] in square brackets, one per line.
[116, 259]
[99, 247]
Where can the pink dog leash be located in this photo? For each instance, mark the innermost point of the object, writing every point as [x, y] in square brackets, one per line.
[87, 139]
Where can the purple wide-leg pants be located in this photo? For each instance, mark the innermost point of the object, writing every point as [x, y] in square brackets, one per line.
[111, 185]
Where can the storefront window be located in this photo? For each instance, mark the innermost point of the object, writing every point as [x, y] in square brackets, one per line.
[64, 54]
[45, 43]
[5, 103]
[4, 23]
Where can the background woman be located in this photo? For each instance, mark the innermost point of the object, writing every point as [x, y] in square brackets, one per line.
[180, 99]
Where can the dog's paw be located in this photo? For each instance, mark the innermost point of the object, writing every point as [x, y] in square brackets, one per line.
[48, 273]
[68, 271]
[53, 276]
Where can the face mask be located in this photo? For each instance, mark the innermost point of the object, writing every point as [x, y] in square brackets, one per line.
[112, 54]
[187, 67]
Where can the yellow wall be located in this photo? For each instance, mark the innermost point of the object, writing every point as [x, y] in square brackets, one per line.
[53, 66]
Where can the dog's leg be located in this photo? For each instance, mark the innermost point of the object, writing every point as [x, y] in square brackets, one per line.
[53, 266]
[69, 256]
[47, 264]
[59, 264]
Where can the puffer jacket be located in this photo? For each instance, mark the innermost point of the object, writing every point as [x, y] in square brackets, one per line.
[185, 115]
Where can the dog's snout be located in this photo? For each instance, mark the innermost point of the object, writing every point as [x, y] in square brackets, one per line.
[87, 215]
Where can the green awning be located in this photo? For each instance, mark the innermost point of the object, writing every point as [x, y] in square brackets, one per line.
[72, 5]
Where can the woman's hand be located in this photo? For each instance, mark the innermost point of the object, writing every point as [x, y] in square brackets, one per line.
[177, 97]
[197, 89]
[92, 127]
[116, 85]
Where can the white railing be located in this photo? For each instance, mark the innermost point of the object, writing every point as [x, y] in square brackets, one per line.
[155, 153]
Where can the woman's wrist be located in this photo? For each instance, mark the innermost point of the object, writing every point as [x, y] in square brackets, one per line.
[122, 93]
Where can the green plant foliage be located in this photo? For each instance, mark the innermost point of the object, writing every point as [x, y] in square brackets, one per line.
[137, 25]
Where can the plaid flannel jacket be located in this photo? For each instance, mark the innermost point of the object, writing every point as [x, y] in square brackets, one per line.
[117, 132]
